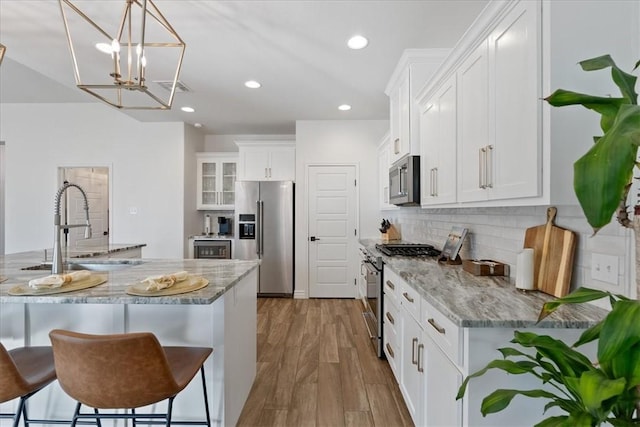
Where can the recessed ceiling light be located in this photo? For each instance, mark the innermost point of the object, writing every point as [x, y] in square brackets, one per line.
[188, 109]
[358, 42]
[344, 107]
[252, 84]
[197, 125]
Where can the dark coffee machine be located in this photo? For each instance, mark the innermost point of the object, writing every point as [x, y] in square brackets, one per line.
[224, 225]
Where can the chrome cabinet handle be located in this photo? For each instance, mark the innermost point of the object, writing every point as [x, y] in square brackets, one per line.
[390, 350]
[414, 361]
[390, 284]
[435, 182]
[489, 167]
[482, 159]
[420, 366]
[437, 327]
[391, 319]
[406, 295]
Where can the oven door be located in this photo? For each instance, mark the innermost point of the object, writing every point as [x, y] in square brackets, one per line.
[372, 313]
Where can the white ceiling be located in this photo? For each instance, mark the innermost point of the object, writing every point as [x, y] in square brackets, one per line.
[296, 49]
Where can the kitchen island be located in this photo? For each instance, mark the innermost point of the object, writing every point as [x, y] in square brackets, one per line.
[221, 315]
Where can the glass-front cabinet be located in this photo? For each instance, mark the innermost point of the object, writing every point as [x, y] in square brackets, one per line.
[216, 180]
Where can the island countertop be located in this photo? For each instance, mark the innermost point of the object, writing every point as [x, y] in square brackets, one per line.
[221, 274]
[482, 301]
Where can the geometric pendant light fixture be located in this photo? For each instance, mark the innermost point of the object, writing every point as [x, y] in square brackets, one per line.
[129, 58]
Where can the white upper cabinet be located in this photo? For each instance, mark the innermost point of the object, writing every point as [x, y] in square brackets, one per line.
[266, 161]
[384, 154]
[438, 146]
[216, 180]
[415, 68]
[481, 118]
[514, 162]
[473, 124]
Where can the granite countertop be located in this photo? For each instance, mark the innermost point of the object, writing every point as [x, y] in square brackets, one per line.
[482, 301]
[222, 275]
[95, 251]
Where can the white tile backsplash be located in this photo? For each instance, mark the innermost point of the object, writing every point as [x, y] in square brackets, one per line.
[498, 234]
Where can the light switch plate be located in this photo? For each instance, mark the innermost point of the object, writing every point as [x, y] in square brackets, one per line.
[604, 268]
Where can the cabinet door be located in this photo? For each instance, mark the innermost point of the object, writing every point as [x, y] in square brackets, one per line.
[400, 120]
[282, 164]
[440, 407]
[228, 183]
[515, 160]
[411, 380]
[383, 174]
[438, 146]
[207, 183]
[254, 164]
[473, 124]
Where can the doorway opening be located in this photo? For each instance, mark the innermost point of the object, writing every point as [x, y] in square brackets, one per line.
[95, 182]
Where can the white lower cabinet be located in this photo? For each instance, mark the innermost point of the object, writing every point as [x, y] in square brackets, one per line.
[439, 406]
[434, 354]
[412, 373]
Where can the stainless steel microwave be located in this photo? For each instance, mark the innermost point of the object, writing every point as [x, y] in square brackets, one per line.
[404, 182]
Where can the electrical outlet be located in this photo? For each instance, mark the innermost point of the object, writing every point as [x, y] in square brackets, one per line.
[604, 268]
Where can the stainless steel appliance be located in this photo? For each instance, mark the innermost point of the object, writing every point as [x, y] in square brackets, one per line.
[265, 221]
[404, 182]
[210, 248]
[372, 273]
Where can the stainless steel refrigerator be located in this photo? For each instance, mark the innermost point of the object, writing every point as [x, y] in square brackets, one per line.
[264, 224]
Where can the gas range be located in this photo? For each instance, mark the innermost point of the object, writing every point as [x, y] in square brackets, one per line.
[408, 249]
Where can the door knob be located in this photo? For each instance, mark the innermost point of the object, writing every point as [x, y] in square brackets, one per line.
[313, 238]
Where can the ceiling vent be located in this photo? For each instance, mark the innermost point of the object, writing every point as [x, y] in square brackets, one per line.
[166, 85]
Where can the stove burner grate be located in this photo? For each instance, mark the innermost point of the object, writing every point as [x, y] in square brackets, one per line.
[408, 249]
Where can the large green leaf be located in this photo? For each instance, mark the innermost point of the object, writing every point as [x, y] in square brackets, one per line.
[606, 106]
[560, 421]
[569, 361]
[591, 334]
[625, 365]
[626, 82]
[509, 366]
[578, 296]
[501, 398]
[620, 330]
[595, 387]
[601, 175]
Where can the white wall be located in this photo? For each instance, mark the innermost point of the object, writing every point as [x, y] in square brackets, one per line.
[194, 143]
[146, 161]
[336, 142]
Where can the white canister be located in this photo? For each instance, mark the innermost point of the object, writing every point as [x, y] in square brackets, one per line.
[207, 224]
[524, 270]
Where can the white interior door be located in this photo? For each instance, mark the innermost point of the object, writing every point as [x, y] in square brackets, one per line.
[332, 199]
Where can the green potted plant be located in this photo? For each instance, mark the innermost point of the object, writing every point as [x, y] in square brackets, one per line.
[589, 393]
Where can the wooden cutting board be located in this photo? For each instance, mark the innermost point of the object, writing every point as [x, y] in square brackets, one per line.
[553, 249]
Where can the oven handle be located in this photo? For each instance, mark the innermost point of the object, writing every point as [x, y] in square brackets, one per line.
[370, 267]
[365, 314]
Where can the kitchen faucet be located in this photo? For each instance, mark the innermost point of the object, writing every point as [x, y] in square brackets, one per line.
[56, 265]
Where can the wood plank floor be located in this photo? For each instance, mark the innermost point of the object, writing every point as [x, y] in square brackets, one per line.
[316, 367]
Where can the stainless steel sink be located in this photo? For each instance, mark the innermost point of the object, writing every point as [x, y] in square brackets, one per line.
[92, 265]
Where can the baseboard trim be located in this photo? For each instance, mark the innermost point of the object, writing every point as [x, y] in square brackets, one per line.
[299, 295]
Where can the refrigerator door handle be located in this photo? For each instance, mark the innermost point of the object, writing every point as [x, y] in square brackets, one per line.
[260, 233]
[258, 227]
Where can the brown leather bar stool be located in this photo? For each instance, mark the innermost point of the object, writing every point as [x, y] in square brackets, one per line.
[23, 372]
[125, 371]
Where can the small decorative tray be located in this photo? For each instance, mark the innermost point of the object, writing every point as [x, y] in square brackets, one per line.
[485, 267]
[192, 283]
[89, 282]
